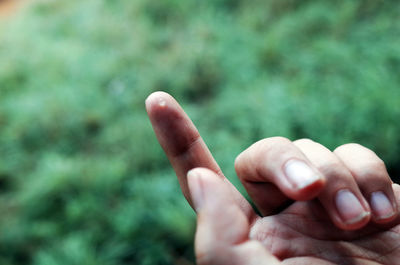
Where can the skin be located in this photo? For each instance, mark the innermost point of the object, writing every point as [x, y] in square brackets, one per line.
[300, 224]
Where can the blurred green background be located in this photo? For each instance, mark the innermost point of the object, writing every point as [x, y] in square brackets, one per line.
[82, 178]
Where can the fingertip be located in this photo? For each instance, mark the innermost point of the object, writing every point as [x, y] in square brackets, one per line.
[202, 175]
[208, 189]
[194, 178]
[218, 212]
[395, 219]
[355, 224]
[384, 207]
[351, 225]
[309, 192]
[386, 220]
[351, 211]
[158, 99]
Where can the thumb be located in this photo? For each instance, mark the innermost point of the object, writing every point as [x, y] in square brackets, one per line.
[222, 228]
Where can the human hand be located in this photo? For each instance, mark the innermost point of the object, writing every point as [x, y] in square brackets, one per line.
[345, 220]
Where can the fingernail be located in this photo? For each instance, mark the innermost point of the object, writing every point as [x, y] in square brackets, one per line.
[382, 208]
[299, 174]
[349, 207]
[196, 189]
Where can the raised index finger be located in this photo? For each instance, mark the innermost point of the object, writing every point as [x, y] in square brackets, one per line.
[183, 144]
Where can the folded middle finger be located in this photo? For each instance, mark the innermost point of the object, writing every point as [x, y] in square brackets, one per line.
[341, 197]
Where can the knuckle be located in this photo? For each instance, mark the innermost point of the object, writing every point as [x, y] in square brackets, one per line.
[371, 170]
[276, 140]
[239, 160]
[347, 147]
[332, 169]
[241, 166]
[304, 141]
[260, 150]
[272, 143]
[376, 165]
[365, 165]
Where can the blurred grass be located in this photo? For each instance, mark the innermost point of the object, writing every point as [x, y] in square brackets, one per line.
[82, 179]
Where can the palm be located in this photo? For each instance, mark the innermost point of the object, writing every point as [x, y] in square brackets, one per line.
[303, 233]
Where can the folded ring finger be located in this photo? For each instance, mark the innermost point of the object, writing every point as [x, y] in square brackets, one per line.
[373, 180]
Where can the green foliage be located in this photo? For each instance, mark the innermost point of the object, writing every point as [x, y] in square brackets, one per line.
[82, 179]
